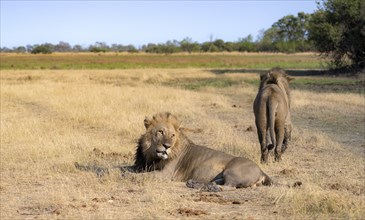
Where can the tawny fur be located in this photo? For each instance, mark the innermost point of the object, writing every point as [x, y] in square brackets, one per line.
[272, 113]
[186, 160]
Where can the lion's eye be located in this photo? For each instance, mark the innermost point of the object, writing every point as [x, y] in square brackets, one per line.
[160, 131]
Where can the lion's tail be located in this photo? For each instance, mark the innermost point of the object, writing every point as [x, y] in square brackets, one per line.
[271, 120]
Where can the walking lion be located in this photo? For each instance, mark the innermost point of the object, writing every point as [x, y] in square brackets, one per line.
[272, 113]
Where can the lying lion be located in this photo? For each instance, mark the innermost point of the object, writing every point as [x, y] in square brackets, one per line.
[272, 113]
[165, 151]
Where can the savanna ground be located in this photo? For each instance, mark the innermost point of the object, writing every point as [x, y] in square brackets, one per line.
[51, 119]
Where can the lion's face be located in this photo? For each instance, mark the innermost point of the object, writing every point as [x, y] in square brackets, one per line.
[163, 139]
[163, 136]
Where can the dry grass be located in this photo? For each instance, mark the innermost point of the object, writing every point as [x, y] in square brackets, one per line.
[53, 118]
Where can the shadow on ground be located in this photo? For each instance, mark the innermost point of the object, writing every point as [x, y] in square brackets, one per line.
[338, 72]
[290, 72]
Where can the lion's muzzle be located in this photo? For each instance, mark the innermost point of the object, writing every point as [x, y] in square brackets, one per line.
[163, 154]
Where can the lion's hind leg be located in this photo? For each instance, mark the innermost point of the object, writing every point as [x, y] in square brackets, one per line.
[241, 173]
[280, 141]
[262, 135]
[287, 137]
[285, 145]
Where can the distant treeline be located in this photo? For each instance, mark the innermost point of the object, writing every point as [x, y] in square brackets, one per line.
[287, 35]
[336, 30]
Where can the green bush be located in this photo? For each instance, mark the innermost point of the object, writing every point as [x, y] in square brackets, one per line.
[44, 48]
[97, 49]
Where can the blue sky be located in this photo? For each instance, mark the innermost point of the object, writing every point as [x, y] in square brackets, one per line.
[138, 22]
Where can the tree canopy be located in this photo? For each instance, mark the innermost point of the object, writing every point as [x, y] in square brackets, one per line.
[337, 30]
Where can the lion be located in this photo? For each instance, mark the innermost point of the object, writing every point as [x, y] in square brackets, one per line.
[168, 153]
[272, 113]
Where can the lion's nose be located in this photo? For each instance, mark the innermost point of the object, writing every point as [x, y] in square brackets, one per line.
[167, 146]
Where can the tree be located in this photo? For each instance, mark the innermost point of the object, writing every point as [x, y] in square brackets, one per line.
[99, 47]
[246, 44]
[131, 49]
[150, 48]
[219, 43]
[264, 40]
[187, 45]
[171, 47]
[229, 46]
[292, 28]
[209, 47]
[289, 34]
[29, 48]
[62, 47]
[20, 49]
[337, 29]
[43, 48]
[77, 48]
[5, 49]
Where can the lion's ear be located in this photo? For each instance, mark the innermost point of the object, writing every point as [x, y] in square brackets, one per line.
[264, 76]
[178, 126]
[289, 78]
[175, 122]
[147, 122]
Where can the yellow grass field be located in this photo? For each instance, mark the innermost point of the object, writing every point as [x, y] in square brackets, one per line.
[51, 119]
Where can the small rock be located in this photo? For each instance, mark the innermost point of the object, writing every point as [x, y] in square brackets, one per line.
[336, 186]
[288, 171]
[297, 184]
